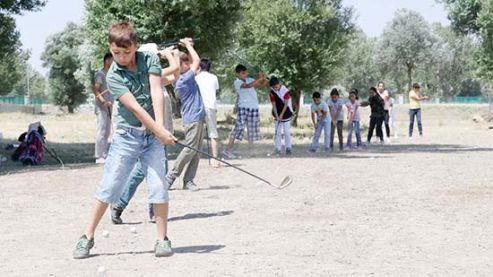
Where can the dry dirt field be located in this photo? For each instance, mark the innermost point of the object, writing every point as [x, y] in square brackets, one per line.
[419, 207]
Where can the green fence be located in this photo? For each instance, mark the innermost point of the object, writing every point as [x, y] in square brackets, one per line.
[470, 99]
[19, 100]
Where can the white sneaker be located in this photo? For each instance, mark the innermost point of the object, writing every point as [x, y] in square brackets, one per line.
[100, 160]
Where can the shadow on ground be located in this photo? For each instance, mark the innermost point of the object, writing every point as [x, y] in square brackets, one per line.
[195, 249]
[81, 155]
[200, 215]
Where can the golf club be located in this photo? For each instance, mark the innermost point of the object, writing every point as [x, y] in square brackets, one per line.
[284, 183]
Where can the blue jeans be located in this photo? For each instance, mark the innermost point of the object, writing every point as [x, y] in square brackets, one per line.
[129, 147]
[134, 181]
[415, 113]
[355, 125]
[325, 127]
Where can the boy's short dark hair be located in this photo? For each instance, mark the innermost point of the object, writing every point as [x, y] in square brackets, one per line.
[107, 56]
[184, 57]
[355, 92]
[205, 64]
[240, 68]
[273, 81]
[416, 85]
[122, 34]
[373, 89]
[316, 95]
[334, 91]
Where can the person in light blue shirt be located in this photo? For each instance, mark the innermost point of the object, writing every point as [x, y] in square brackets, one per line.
[193, 118]
[321, 122]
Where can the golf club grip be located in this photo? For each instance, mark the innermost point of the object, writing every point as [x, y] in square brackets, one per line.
[223, 161]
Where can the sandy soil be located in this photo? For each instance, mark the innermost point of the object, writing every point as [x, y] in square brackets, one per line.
[411, 208]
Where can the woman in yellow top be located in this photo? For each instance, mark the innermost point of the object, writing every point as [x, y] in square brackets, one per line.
[415, 99]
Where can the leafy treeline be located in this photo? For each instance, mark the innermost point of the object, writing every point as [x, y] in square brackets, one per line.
[310, 44]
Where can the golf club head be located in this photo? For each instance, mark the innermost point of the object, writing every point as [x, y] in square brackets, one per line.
[285, 182]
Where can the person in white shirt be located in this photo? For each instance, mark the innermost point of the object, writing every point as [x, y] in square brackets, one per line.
[209, 87]
[248, 109]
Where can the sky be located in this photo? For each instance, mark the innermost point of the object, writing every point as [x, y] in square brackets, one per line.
[371, 15]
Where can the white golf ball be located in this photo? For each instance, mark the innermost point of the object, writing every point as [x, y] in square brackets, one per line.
[133, 230]
[268, 154]
[106, 234]
[101, 269]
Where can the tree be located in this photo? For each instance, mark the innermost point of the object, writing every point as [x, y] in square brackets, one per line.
[37, 83]
[211, 21]
[453, 59]
[61, 57]
[299, 41]
[405, 44]
[10, 71]
[358, 68]
[475, 17]
[10, 55]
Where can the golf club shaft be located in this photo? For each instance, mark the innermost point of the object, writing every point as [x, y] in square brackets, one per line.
[223, 161]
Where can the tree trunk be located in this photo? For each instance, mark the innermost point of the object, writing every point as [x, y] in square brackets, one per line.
[297, 106]
[410, 77]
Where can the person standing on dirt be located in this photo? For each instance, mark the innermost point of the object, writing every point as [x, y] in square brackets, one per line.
[193, 117]
[248, 109]
[415, 99]
[134, 79]
[103, 106]
[169, 75]
[337, 115]
[377, 115]
[209, 87]
[321, 122]
[384, 94]
[282, 110]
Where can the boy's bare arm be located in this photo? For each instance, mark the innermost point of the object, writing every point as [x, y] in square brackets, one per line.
[284, 108]
[157, 98]
[128, 100]
[173, 65]
[314, 120]
[194, 66]
[169, 76]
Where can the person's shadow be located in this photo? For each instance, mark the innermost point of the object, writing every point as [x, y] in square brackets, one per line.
[200, 215]
[195, 249]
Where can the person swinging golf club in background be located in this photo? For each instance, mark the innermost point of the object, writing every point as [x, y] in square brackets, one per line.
[248, 109]
[193, 117]
[103, 107]
[134, 79]
[282, 110]
[169, 75]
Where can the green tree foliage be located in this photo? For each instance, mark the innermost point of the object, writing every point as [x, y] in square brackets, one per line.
[60, 56]
[358, 67]
[212, 21]
[475, 17]
[10, 55]
[300, 41]
[37, 83]
[453, 60]
[10, 71]
[405, 44]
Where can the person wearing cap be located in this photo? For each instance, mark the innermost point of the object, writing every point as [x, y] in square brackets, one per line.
[415, 99]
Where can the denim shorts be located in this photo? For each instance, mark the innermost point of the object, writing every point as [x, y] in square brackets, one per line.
[130, 145]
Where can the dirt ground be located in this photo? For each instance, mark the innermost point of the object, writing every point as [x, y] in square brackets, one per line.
[419, 207]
